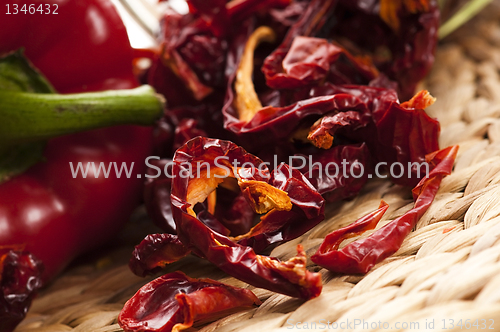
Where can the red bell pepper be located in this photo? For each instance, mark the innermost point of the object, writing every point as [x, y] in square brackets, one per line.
[48, 211]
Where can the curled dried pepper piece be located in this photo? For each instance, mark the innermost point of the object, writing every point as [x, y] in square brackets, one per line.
[213, 160]
[20, 279]
[399, 135]
[312, 18]
[173, 302]
[280, 225]
[322, 132]
[360, 256]
[312, 60]
[155, 252]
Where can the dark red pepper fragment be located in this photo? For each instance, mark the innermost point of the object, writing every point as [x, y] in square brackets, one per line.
[234, 212]
[173, 302]
[331, 179]
[155, 252]
[360, 256]
[291, 203]
[20, 279]
[310, 61]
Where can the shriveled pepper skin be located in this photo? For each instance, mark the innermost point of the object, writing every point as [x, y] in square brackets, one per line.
[20, 278]
[173, 302]
[54, 215]
[279, 194]
[155, 252]
[360, 256]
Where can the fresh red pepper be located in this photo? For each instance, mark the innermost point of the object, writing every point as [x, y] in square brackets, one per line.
[360, 256]
[54, 215]
[173, 302]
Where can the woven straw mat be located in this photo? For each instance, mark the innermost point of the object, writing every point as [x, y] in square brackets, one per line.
[446, 276]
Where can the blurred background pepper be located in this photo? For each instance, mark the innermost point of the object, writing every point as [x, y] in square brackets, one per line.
[45, 210]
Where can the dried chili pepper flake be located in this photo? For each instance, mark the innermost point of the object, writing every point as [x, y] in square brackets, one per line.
[361, 255]
[264, 197]
[421, 100]
[173, 302]
[20, 279]
[155, 252]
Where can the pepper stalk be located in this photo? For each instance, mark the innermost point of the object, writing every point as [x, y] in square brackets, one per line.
[28, 116]
[32, 112]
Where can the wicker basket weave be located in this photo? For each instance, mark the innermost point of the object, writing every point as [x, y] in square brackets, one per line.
[446, 276]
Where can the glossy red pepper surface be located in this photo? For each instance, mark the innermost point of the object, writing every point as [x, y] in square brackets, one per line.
[83, 48]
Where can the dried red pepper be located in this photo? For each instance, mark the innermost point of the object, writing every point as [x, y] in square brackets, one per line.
[173, 302]
[20, 279]
[155, 252]
[291, 204]
[398, 39]
[351, 114]
[360, 256]
[310, 61]
[194, 45]
[337, 182]
[356, 113]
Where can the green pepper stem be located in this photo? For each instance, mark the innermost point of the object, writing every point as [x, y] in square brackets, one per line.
[29, 117]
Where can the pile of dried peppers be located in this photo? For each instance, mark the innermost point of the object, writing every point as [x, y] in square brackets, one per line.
[253, 88]
[274, 82]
